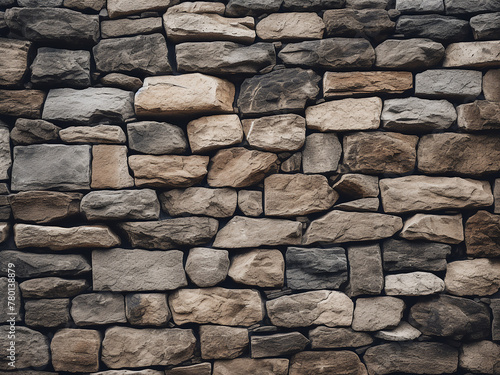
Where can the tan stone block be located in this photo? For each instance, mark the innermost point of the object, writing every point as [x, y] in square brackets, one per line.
[290, 26]
[472, 54]
[110, 167]
[76, 350]
[213, 132]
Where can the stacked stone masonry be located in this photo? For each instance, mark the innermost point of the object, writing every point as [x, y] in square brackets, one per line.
[261, 187]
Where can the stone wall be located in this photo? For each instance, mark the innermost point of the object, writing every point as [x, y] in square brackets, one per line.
[249, 187]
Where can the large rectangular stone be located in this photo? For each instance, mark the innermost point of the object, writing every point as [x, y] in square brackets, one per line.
[120, 8]
[472, 54]
[21, 103]
[458, 84]
[13, 61]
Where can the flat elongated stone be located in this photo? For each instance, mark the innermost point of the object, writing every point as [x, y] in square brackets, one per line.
[442, 29]
[438, 228]
[475, 277]
[417, 53]
[130, 347]
[232, 307]
[356, 185]
[327, 362]
[472, 54]
[402, 255]
[157, 138]
[22, 103]
[480, 357]
[187, 94]
[360, 205]
[259, 267]
[90, 105]
[413, 284]
[411, 357]
[335, 338]
[380, 152]
[243, 232]
[98, 308]
[198, 7]
[326, 307]
[110, 167]
[415, 115]
[32, 349]
[464, 6]
[482, 235]
[147, 309]
[128, 372]
[168, 170]
[485, 26]
[278, 91]
[250, 366]
[76, 350]
[480, 115]
[120, 8]
[297, 194]
[130, 27]
[38, 3]
[122, 81]
[331, 53]
[145, 270]
[420, 6]
[340, 226]
[321, 153]
[170, 233]
[281, 344]
[213, 132]
[376, 313]
[311, 5]
[423, 193]
[59, 238]
[200, 201]
[14, 61]
[290, 26]
[238, 8]
[221, 342]
[366, 275]
[26, 132]
[193, 27]
[403, 332]
[207, 267]
[52, 287]
[491, 85]
[84, 4]
[95, 134]
[455, 84]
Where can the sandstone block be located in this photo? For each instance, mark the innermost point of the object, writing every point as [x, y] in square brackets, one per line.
[26, 132]
[281, 344]
[47, 313]
[292, 164]
[442, 29]
[335, 338]
[110, 167]
[376, 313]
[76, 350]
[480, 357]
[213, 132]
[259, 267]
[221, 342]
[321, 153]
[360, 205]
[207, 267]
[478, 277]
[366, 275]
[403, 332]
[32, 349]
[290, 26]
[122, 81]
[438, 228]
[130, 27]
[485, 26]
[52, 287]
[147, 309]
[204, 368]
[95, 134]
[14, 61]
[356, 185]
[472, 54]
[413, 284]
[416, 53]
[22, 103]
[480, 115]
[402, 255]
[250, 202]
[482, 235]
[491, 85]
[120, 8]
[98, 308]
[157, 138]
[269, 366]
[328, 362]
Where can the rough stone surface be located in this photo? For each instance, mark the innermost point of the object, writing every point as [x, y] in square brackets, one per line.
[464, 6]
[376, 313]
[357, 185]
[238, 8]
[269, 366]
[402, 255]
[328, 362]
[120, 8]
[75, 350]
[32, 348]
[403, 332]
[198, 7]
[213, 132]
[455, 84]
[207, 267]
[438, 228]
[476, 277]
[360, 205]
[98, 308]
[439, 28]
[413, 284]
[335, 338]
[84, 4]
[147, 309]
[311, 5]
[292, 164]
[366, 275]
[145, 270]
[230, 307]
[260, 267]
[52, 287]
[5, 158]
[321, 307]
[491, 85]
[122, 81]
[220, 342]
[11, 286]
[250, 202]
[480, 357]
[417, 53]
[26, 132]
[321, 153]
[22, 103]
[482, 235]
[472, 54]
[281, 344]
[485, 26]
[95, 134]
[14, 61]
[290, 26]
[480, 115]
[420, 6]
[495, 309]
[126, 27]
[204, 368]
[47, 313]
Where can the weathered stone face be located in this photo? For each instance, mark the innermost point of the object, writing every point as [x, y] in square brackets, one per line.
[480, 357]
[477, 277]
[482, 235]
[365, 270]
[95, 134]
[26, 132]
[480, 115]
[417, 53]
[52, 287]
[157, 138]
[98, 308]
[485, 26]
[207, 267]
[491, 85]
[110, 167]
[413, 284]
[120, 8]
[357, 185]
[419, 6]
[76, 350]
[402, 255]
[403, 332]
[238, 8]
[260, 267]
[32, 348]
[221, 342]
[472, 54]
[281, 344]
[14, 61]
[442, 29]
[438, 228]
[328, 362]
[333, 338]
[269, 366]
[213, 132]
[376, 313]
[290, 26]
[147, 309]
[126, 27]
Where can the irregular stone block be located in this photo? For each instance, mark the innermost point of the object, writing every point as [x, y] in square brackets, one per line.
[479, 357]
[278, 91]
[482, 235]
[130, 27]
[9, 287]
[90, 105]
[415, 115]
[402, 255]
[212, 132]
[40, 3]
[259, 267]
[95, 134]
[297, 194]
[366, 275]
[97, 309]
[311, 5]
[380, 152]
[335, 338]
[420, 6]
[472, 54]
[455, 84]
[157, 138]
[84, 4]
[357, 185]
[442, 29]
[52, 287]
[321, 153]
[424, 193]
[403, 332]
[187, 94]
[480, 115]
[331, 53]
[438, 228]
[27, 132]
[290, 26]
[32, 348]
[147, 309]
[316, 268]
[281, 344]
[230, 307]
[475, 277]
[250, 202]
[199, 7]
[170, 233]
[292, 164]
[14, 61]
[491, 85]
[468, 6]
[376, 313]
[200, 201]
[270, 366]
[326, 307]
[76, 350]
[141, 54]
[417, 53]
[413, 284]
[485, 26]
[328, 362]
[242, 232]
[120, 8]
[360, 205]
[239, 8]
[145, 270]
[204, 368]
[128, 372]
[221, 342]
[48, 313]
[22, 103]
[340, 226]
[207, 267]
[130, 347]
[122, 81]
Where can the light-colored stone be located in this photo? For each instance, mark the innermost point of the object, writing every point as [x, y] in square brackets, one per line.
[366, 275]
[207, 267]
[230, 307]
[147, 309]
[326, 307]
[212, 132]
[417, 53]
[127, 372]
[474, 277]
[485, 26]
[93, 134]
[5, 158]
[472, 54]
[360, 205]
[120, 8]
[32, 349]
[221, 342]
[438, 228]
[491, 85]
[281, 344]
[59, 238]
[204, 368]
[403, 332]
[259, 267]
[413, 284]
[457, 84]
[13, 61]
[345, 115]
[98, 308]
[420, 6]
[480, 357]
[321, 153]
[198, 7]
[335, 338]
[250, 202]
[110, 167]
[290, 26]
[187, 94]
[249, 366]
[52, 287]
[376, 313]
[480, 115]
[327, 362]
[76, 350]
[129, 27]
[157, 138]
[356, 185]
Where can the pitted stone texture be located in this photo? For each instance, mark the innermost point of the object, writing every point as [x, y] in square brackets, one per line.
[413, 284]
[357, 185]
[315, 268]
[207, 267]
[84, 4]
[415, 115]
[199, 27]
[480, 357]
[366, 275]
[221, 342]
[411, 357]
[121, 205]
[212, 132]
[331, 54]
[52, 287]
[345, 115]
[98, 308]
[455, 84]
[281, 344]
[88, 106]
[230, 307]
[171, 233]
[438, 228]
[187, 94]
[32, 349]
[417, 53]
[269, 366]
[120, 8]
[239, 8]
[95, 134]
[480, 115]
[22, 103]
[27, 132]
[238, 167]
[200, 201]
[297, 194]
[464, 6]
[380, 152]
[14, 61]
[259, 267]
[290, 26]
[475, 277]
[472, 54]
[335, 338]
[482, 235]
[60, 167]
[491, 85]
[278, 91]
[321, 153]
[340, 226]
[168, 170]
[402, 255]
[110, 167]
[486, 26]
[250, 202]
[442, 29]
[328, 362]
[76, 350]
[446, 316]
[424, 193]
[130, 347]
[145, 270]
[147, 309]
[320, 307]
[130, 27]
[241, 232]
[403, 332]
[376, 313]
[420, 6]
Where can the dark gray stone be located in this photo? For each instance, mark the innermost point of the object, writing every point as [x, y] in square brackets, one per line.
[454, 317]
[27, 132]
[471, 6]
[335, 338]
[122, 81]
[332, 53]
[60, 167]
[29, 265]
[495, 327]
[142, 55]
[321, 153]
[98, 308]
[7, 3]
[311, 5]
[281, 344]
[242, 8]
[458, 84]
[40, 3]
[438, 28]
[8, 289]
[278, 91]
[316, 268]
[486, 26]
[417, 53]
[366, 275]
[402, 255]
[61, 68]
[32, 349]
[225, 57]
[54, 25]
[420, 6]
[157, 138]
[53, 287]
[49, 313]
